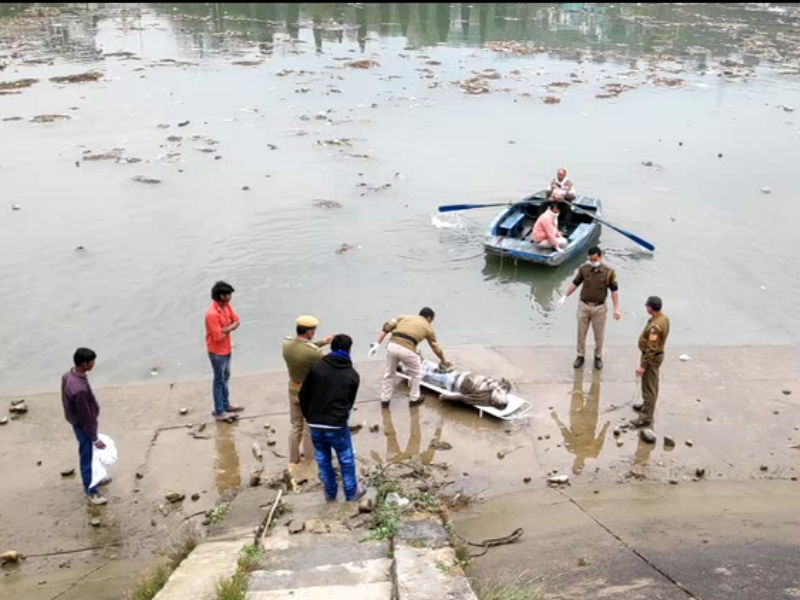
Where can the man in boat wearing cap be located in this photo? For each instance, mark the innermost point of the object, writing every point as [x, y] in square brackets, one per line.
[561, 187]
[300, 353]
[407, 332]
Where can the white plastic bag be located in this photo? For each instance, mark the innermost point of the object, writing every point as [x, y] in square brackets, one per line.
[102, 458]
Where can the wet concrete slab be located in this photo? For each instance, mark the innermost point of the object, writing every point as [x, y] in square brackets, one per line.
[569, 431]
[711, 540]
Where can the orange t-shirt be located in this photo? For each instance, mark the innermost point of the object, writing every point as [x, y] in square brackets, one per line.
[218, 317]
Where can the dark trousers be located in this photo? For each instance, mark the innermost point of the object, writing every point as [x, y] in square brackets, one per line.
[221, 365]
[339, 440]
[85, 448]
[650, 387]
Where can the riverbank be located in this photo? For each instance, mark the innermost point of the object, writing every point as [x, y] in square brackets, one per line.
[731, 403]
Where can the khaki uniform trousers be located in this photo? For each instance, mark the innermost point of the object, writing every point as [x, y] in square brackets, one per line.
[595, 316]
[650, 387]
[298, 430]
[395, 355]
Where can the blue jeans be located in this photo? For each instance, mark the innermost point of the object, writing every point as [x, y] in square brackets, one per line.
[222, 373]
[326, 440]
[85, 448]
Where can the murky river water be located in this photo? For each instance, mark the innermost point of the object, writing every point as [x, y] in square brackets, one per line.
[710, 109]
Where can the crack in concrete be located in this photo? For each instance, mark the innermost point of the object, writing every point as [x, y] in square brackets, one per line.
[74, 551]
[79, 579]
[630, 548]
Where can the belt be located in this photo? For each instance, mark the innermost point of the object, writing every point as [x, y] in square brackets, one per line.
[405, 336]
[593, 303]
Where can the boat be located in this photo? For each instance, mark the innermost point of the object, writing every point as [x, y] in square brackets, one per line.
[509, 233]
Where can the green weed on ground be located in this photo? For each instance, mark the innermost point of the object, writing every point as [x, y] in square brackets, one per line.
[149, 584]
[235, 587]
[520, 590]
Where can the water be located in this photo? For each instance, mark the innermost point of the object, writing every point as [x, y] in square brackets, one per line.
[138, 291]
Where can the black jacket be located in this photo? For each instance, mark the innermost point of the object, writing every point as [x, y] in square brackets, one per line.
[329, 391]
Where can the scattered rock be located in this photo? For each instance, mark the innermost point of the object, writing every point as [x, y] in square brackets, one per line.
[266, 425]
[270, 442]
[181, 124]
[673, 482]
[366, 505]
[689, 443]
[551, 100]
[184, 411]
[786, 392]
[709, 419]
[700, 472]
[18, 409]
[258, 453]
[648, 436]
[558, 479]
[669, 442]
[68, 472]
[374, 428]
[316, 526]
[11, 557]
[620, 443]
[272, 146]
[174, 138]
[139, 473]
[616, 432]
[245, 188]
[356, 427]
[3, 420]
[526, 480]
[255, 478]
[147, 180]
[395, 499]
[763, 468]
[195, 497]
[174, 497]
[78, 78]
[95, 522]
[440, 445]
[583, 562]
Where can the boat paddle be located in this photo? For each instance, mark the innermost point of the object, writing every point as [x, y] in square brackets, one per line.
[627, 234]
[454, 207]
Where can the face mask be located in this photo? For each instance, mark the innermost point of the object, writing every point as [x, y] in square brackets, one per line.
[594, 263]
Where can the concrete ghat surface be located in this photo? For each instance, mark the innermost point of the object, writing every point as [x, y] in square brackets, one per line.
[728, 401]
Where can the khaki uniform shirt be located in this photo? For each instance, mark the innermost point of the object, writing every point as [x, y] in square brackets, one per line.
[653, 338]
[416, 327]
[299, 355]
[596, 283]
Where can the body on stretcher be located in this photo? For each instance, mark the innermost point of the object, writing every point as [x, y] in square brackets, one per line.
[446, 384]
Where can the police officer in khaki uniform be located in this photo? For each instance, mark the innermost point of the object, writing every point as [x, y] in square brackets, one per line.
[300, 353]
[596, 280]
[651, 345]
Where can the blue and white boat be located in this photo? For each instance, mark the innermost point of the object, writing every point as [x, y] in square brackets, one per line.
[510, 232]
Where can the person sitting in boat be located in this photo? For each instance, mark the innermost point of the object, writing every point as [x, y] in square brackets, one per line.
[545, 231]
[561, 187]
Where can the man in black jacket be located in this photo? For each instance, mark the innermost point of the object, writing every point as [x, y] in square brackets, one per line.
[326, 398]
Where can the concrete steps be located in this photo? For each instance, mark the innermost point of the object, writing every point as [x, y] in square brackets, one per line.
[365, 591]
[377, 570]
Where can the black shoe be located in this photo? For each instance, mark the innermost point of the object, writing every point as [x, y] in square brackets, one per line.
[637, 407]
[578, 363]
[641, 422]
[598, 363]
[416, 402]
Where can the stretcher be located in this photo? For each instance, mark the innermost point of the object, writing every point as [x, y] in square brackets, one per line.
[446, 385]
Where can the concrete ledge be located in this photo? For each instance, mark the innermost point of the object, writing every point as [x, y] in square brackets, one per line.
[350, 573]
[196, 577]
[428, 574]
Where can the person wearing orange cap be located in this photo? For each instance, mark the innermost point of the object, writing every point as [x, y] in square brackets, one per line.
[561, 187]
[300, 353]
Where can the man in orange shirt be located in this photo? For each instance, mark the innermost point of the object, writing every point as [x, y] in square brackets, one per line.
[221, 320]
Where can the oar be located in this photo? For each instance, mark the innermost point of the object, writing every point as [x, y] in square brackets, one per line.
[453, 207]
[627, 234]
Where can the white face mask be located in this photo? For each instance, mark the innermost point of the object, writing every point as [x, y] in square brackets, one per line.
[594, 263]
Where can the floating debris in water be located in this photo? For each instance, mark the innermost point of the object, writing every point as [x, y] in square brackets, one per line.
[78, 78]
[364, 63]
[321, 203]
[49, 118]
[17, 85]
[147, 180]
